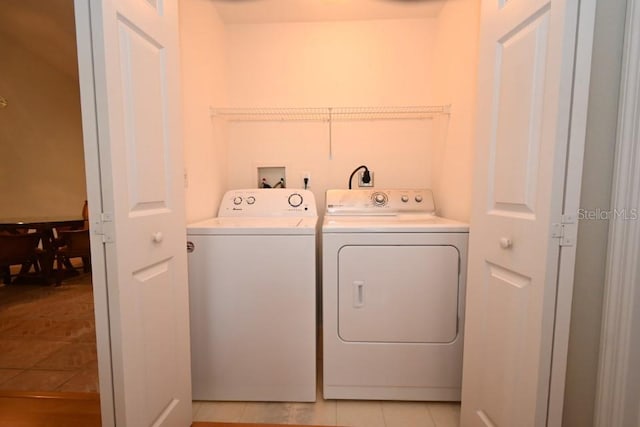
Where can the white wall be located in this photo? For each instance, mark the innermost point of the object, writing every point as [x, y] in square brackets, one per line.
[330, 64]
[591, 252]
[41, 153]
[455, 77]
[343, 63]
[325, 64]
[203, 45]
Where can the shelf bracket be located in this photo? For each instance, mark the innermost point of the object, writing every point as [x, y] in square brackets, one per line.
[330, 133]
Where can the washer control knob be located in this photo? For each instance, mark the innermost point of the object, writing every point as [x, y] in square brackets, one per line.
[379, 199]
[405, 199]
[251, 200]
[237, 200]
[419, 198]
[295, 200]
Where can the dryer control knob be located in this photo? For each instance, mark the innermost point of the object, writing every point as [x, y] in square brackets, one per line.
[295, 200]
[379, 199]
[419, 198]
[237, 200]
[405, 199]
[251, 200]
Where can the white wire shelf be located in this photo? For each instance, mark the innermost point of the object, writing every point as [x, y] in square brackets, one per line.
[330, 113]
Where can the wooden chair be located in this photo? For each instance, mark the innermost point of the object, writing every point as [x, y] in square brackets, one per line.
[85, 217]
[85, 214]
[72, 244]
[19, 249]
[59, 242]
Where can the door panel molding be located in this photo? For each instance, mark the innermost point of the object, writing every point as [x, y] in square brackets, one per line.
[516, 141]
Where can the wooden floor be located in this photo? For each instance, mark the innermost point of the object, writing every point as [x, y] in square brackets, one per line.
[49, 409]
[66, 410]
[211, 424]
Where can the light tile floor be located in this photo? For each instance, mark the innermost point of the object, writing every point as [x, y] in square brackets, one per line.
[348, 413]
[47, 337]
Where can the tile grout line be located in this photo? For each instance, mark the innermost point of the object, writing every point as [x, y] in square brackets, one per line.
[384, 418]
[244, 408]
[194, 415]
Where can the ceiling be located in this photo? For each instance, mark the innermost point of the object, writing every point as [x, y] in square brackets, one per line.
[266, 11]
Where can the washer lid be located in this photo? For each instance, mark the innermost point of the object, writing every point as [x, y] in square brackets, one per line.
[254, 226]
[407, 223]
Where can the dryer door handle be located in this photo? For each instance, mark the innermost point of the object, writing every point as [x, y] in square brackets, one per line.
[358, 293]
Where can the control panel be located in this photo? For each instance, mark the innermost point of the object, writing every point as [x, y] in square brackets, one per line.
[380, 202]
[266, 202]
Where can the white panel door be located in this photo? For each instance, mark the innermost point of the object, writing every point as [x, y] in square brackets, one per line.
[136, 82]
[525, 88]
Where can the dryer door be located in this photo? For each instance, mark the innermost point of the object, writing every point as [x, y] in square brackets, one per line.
[407, 294]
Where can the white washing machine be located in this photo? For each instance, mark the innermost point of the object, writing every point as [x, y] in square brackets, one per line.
[252, 285]
[393, 297]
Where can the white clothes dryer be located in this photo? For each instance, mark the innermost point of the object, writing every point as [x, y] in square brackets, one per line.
[252, 285]
[394, 278]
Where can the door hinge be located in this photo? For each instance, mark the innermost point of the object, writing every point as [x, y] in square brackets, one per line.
[566, 231]
[104, 227]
